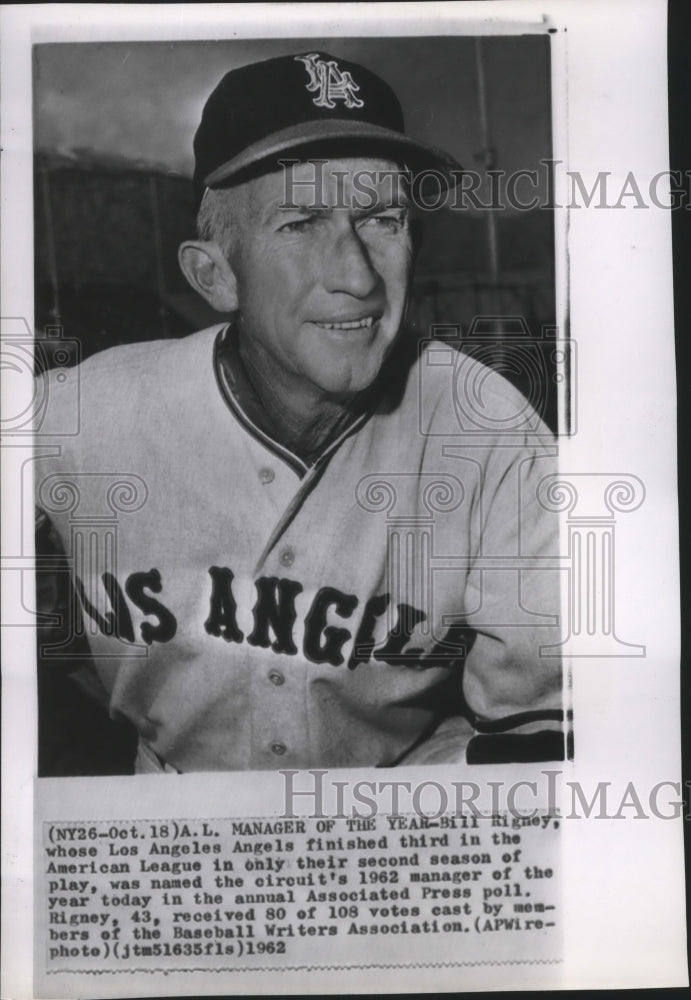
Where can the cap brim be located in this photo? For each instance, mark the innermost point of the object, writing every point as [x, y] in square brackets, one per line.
[417, 155]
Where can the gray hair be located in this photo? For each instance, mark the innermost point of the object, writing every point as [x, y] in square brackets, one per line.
[220, 211]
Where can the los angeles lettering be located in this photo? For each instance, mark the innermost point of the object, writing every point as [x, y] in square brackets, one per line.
[274, 616]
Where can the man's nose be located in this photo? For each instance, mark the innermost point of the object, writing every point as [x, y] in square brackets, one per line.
[348, 266]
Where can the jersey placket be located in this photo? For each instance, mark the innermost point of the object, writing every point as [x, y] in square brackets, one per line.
[278, 679]
[278, 676]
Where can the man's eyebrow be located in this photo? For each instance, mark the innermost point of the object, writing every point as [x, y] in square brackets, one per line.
[362, 202]
[277, 209]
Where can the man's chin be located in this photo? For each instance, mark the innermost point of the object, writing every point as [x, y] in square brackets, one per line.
[344, 384]
[348, 373]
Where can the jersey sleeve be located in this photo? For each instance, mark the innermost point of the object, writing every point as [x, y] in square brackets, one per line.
[512, 680]
[76, 736]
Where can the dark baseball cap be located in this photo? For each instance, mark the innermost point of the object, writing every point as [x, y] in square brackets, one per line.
[300, 103]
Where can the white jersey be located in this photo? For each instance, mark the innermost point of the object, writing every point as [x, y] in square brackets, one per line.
[244, 610]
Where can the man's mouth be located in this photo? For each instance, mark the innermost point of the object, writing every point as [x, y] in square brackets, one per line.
[351, 324]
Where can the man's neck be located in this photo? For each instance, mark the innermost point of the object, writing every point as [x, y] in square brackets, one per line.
[302, 420]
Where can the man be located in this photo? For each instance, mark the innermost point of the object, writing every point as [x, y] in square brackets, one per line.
[288, 546]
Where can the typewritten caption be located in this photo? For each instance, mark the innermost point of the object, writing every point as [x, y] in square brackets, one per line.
[222, 893]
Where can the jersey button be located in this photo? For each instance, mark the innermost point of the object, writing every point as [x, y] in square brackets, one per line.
[287, 557]
[277, 678]
[266, 476]
[278, 748]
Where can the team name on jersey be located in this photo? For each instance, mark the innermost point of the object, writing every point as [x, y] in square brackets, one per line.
[274, 616]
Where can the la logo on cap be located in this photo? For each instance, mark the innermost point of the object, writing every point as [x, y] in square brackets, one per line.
[332, 83]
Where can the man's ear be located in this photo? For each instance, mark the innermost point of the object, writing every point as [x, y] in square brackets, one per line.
[209, 273]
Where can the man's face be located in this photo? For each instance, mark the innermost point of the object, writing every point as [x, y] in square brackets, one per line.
[323, 262]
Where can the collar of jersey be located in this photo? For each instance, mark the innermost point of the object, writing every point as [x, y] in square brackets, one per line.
[225, 386]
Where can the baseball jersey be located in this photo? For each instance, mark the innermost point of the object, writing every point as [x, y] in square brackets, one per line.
[246, 611]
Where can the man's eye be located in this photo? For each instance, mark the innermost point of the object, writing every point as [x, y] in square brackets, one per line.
[297, 225]
[389, 222]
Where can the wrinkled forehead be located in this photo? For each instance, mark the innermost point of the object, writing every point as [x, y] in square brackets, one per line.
[358, 182]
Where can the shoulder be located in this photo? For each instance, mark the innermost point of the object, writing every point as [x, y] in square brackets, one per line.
[116, 378]
[139, 359]
[469, 397]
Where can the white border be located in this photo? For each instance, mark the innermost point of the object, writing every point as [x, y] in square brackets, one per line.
[625, 920]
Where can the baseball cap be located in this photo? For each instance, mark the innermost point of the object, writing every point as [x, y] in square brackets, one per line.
[287, 104]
